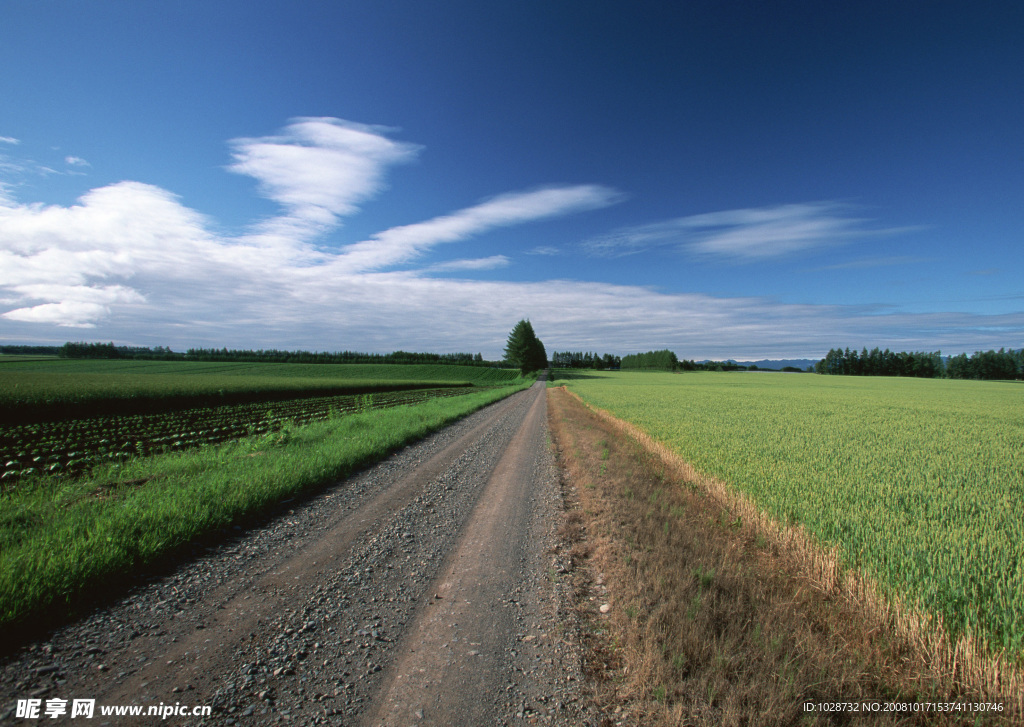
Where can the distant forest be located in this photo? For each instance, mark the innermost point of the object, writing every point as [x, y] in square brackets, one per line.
[664, 360]
[583, 360]
[162, 353]
[988, 365]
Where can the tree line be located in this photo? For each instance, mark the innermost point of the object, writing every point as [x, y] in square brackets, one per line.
[584, 360]
[110, 351]
[347, 357]
[527, 352]
[689, 365]
[1001, 364]
[663, 360]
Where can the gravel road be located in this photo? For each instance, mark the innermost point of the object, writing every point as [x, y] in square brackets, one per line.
[425, 590]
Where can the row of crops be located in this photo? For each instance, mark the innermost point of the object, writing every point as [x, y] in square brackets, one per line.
[920, 483]
[73, 446]
[47, 390]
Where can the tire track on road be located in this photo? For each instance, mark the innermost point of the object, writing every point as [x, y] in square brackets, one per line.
[455, 652]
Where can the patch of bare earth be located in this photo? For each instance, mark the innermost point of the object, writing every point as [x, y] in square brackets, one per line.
[693, 617]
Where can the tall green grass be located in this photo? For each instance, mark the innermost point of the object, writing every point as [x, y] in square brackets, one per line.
[59, 539]
[920, 483]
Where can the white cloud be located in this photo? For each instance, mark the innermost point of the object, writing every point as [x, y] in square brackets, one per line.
[544, 250]
[9, 140]
[130, 243]
[483, 263]
[742, 235]
[79, 306]
[76, 161]
[130, 261]
[392, 310]
[135, 265]
[402, 244]
[318, 169]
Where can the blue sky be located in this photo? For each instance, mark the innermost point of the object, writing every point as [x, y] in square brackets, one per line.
[743, 179]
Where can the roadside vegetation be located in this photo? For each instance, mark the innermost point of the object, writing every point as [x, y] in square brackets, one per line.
[62, 537]
[693, 616]
[904, 494]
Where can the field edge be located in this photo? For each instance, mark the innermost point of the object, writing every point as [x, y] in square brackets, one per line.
[959, 665]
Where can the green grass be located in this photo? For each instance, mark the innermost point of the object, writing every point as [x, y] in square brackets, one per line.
[7, 358]
[920, 483]
[61, 538]
[65, 388]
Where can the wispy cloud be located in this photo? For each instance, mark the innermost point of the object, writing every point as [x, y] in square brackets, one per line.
[484, 263]
[18, 170]
[544, 250]
[742, 235]
[401, 244]
[10, 168]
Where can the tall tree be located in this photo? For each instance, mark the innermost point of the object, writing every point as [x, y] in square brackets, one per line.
[524, 350]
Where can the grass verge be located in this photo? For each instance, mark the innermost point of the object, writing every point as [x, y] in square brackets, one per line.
[708, 621]
[61, 540]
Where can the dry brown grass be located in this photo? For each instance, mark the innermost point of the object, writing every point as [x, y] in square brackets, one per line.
[711, 622]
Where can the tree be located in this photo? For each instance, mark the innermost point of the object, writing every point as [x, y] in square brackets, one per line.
[524, 350]
[663, 360]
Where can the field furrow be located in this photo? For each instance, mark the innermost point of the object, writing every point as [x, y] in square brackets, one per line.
[71, 447]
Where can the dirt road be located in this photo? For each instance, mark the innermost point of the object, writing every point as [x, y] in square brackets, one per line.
[423, 591]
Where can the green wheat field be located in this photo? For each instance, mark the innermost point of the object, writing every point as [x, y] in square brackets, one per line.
[920, 483]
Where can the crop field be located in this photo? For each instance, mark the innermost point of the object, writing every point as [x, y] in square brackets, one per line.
[70, 447]
[918, 483]
[376, 372]
[50, 389]
[23, 358]
[63, 416]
